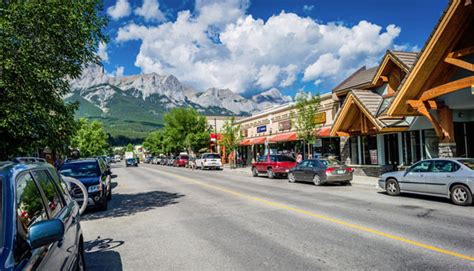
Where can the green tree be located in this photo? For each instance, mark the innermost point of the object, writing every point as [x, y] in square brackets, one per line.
[42, 45]
[154, 142]
[90, 139]
[129, 147]
[185, 128]
[230, 136]
[304, 116]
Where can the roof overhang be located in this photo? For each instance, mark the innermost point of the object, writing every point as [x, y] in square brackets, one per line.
[451, 26]
[389, 57]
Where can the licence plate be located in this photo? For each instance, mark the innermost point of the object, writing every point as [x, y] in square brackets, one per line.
[340, 171]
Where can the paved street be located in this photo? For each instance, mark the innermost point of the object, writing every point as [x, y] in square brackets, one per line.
[164, 218]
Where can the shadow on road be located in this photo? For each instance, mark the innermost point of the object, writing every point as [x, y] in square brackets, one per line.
[100, 255]
[421, 197]
[129, 204]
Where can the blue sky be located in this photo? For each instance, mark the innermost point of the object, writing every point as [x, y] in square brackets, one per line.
[252, 46]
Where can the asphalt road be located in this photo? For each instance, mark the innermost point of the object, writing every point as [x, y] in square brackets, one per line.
[163, 218]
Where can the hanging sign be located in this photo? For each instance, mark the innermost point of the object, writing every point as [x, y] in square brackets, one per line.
[320, 118]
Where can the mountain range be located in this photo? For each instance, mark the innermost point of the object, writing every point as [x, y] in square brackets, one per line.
[132, 106]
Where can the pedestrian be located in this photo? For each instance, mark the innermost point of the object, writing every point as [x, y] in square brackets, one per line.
[299, 158]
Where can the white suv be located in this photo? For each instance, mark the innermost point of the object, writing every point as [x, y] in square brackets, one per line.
[209, 161]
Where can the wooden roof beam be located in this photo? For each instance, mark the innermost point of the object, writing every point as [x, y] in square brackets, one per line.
[462, 52]
[459, 63]
[447, 88]
[421, 107]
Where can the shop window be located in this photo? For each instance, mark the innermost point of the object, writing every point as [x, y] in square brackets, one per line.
[430, 144]
[369, 150]
[411, 147]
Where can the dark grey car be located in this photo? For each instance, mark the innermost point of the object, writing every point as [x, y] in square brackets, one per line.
[320, 171]
[443, 177]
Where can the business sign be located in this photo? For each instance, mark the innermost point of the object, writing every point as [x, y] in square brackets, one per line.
[261, 129]
[320, 118]
[284, 125]
[374, 160]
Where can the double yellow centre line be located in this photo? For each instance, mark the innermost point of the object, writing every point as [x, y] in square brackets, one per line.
[325, 218]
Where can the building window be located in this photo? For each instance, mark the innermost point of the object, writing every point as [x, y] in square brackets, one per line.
[369, 150]
[430, 144]
[411, 147]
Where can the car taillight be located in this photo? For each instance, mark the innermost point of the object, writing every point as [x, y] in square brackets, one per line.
[349, 169]
[330, 170]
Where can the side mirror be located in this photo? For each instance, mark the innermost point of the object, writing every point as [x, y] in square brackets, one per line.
[45, 232]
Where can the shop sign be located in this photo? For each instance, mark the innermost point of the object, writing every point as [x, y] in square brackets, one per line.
[261, 129]
[320, 118]
[373, 157]
[284, 125]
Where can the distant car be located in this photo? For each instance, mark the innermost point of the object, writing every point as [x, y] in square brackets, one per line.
[170, 161]
[209, 161]
[148, 159]
[443, 177]
[95, 176]
[164, 161]
[40, 227]
[273, 165]
[320, 171]
[181, 160]
[131, 162]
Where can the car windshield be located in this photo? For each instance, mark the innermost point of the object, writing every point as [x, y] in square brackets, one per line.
[467, 162]
[283, 158]
[84, 169]
[211, 156]
[185, 157]
[331, 163]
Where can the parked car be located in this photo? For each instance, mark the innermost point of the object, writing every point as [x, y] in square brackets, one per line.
[321, 171]
[164, 161]
[181, 160]
[443, 177]
[131, 162]
[95, 176]
[28, 160]
[40, 227]
[209, 161]
[170, 161]
[148, 159]
[273, 165]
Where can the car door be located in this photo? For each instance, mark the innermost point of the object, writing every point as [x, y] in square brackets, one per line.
[31, 208]
[311, 170]
[442, 173]
[415, 178]
[57, 207]
[259, 163]
[303, 170]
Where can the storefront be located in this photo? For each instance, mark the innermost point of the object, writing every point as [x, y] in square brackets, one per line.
[273, 131]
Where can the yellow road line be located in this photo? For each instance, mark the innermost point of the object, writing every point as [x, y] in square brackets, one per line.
[326, 218]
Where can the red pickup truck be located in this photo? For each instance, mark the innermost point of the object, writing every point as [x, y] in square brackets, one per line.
[273, 165]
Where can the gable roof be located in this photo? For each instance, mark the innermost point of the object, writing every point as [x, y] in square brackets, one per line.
[404, 60]
[455, 17]
[359, 78]
[407, 58]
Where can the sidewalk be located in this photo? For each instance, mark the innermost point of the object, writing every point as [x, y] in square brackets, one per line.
[359, 180]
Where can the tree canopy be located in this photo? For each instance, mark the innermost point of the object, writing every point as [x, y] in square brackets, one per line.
[90, 139]
[42, 45]
[230, 135]
[306, 108]
[184, 130]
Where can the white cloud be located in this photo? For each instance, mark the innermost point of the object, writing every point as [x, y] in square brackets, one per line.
[119, 10]
[118, 72]
[308, 8]
[150, 10]
[218, 45]
[102, 52]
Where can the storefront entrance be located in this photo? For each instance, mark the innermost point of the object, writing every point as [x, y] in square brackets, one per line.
[464, 136]
[392, 159]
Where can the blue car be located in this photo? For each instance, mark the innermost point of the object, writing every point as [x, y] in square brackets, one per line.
[131, 162]
[95, 176]
[40, 226]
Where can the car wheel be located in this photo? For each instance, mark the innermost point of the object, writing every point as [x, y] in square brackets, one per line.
[316, 180]
[392, 187]
[461, 195]
[348, 183]
[81, 263]
[291, 177]
[104, 205]
[254, 172]
[270, 173]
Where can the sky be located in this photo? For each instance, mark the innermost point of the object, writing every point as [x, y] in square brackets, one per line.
[251, 46]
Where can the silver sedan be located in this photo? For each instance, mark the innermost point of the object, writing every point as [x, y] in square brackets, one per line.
[444, 177]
